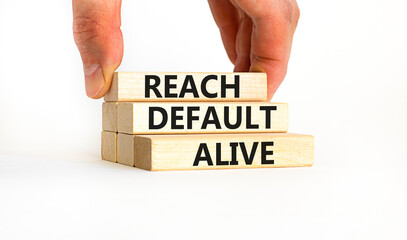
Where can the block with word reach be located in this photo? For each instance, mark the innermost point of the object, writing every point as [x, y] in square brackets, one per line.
[190, 117]
[215, 151]
[170, 86]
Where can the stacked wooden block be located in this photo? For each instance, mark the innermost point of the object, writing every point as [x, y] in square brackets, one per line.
[179, 121]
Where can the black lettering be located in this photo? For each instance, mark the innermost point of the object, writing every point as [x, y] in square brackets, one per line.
[151, 111]
[235, 86]
[191, 117]
[175, 117]
[249, 124]
[233, 161]
[248, 160]
[189, 79]
[219, 161]
[169, 86]
[206, 121]
[207, 157]
[148, 86]
[203, 86]
[238, 118]
[265, 153]
[268, 110]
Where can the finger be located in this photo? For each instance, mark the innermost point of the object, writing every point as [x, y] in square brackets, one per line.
[243, 44]
[97, 34]
[274, 24]
[227, 20]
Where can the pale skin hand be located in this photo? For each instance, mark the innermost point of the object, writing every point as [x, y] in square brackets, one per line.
[257, 35]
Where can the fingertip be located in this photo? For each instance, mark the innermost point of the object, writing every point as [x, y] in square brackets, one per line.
[94, 79]
[256, 68]
[232, 56]
[273, 80]
[108, 78]
[270, 93]
[242, 64]
[97, 80]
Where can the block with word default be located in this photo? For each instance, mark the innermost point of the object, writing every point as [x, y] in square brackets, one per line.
[170, 86]
[109, 146]
[215, 151]
[198, 117]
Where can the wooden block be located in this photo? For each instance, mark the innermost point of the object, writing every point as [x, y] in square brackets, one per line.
[109, 116]
[171, 86]
[178, 118]
[125, 149]
[109, 146]
[217, 151]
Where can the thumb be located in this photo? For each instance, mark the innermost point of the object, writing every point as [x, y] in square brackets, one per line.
[97, 34]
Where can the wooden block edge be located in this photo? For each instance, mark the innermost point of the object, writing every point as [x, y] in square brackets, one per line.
[109, 116]
[113, 95]
[143, 153]
[125, 149]
[105, 140]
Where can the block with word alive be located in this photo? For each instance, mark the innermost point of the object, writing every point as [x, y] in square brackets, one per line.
[191, 117]
[170, 86]
[215, 151]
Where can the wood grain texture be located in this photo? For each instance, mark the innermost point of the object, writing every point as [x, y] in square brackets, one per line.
[109, 116]
[125, 149]
[130, 87]
[134, 118]
[109, 146]
[180, 152]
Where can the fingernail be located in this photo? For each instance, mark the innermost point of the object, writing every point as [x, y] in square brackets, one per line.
[254, 68]
[94, 79]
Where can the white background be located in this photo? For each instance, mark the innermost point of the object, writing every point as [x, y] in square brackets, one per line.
[346, 85]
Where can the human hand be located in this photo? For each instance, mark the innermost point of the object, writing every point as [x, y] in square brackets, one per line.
[257, 35]
[97, 34]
